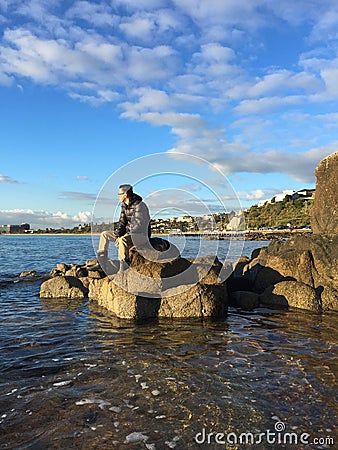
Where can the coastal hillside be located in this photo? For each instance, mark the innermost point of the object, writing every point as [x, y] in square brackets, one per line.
[287, 213]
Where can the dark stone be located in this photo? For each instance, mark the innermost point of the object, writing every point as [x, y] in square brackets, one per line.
[245, 300]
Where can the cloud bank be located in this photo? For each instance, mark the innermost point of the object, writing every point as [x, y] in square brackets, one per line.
[43, 219]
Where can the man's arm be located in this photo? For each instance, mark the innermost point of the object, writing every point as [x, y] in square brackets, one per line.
[140, 220]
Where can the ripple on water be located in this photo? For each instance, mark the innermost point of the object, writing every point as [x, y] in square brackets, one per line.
[72, 376]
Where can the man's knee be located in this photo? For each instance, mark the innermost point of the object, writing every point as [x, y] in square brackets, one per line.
[107, 235]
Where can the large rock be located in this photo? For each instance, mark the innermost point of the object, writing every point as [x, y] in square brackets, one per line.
[166, 273]
[123, 304]
[291, 294]
[308, 259]
[63, 287]
[200, 300]
[197, 300]
[158, 283]
[324, 214]
[159, 287]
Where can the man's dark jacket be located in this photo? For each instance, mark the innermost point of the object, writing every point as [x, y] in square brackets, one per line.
[134, 218]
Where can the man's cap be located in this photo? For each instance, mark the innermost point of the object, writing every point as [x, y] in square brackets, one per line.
[123, 188]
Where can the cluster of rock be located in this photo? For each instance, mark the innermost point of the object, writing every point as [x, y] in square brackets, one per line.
[300, 272]
[147, 289]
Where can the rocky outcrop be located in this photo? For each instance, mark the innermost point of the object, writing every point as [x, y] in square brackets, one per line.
[302, 271]
[324, 214]
[158, 284]
[198, 301]
[158, 287]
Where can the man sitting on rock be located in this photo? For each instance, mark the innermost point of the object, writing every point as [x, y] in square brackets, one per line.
[133, 229]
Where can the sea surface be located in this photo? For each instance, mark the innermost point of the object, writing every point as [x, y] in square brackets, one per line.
[72, 376]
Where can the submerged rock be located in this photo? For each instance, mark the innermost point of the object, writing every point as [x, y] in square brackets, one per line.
[28, 273]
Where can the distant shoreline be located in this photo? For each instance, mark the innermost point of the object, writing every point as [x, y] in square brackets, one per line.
[250, 235]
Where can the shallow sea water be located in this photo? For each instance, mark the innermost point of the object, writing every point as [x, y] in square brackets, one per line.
[72, 376]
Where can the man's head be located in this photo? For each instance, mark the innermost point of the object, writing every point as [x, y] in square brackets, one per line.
[124, 192]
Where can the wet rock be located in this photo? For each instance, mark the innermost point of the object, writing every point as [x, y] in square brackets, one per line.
[28, 273]
[302, 271]
[123, 304]
[198, 300]
[85, 281]
[96, 274]
[324, 214]
[291, 294]
[201, 300]
[237, 281]
[246, 300]
[308, 259]
[63, 287]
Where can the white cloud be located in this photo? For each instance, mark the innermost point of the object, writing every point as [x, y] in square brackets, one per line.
[277, 82]
[99, 63]
[82, 217]
[97, 98]
[82, 177]
[7, 179]
[258, 194]
[98, 14]
[230, 13]
[231, 157]
[150, 64]
[139, 27]
[267, 104]
[43, 219]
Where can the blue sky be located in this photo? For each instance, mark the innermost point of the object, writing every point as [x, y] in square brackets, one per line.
[87, 87]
